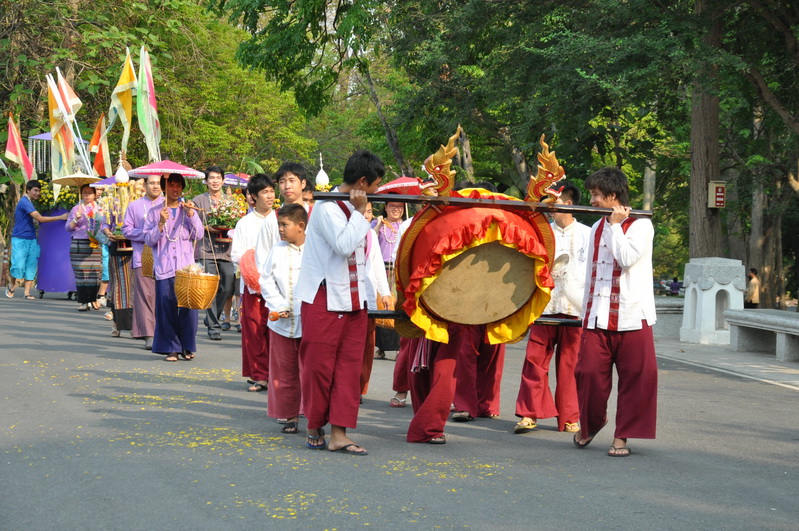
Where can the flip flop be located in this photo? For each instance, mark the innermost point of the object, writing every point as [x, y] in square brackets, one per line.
[10, 292]
[613, 449]
[588, 439]
[29, 297]
[257, 388]
[289, 427]
[316, 438]
[438, 440]
[524, 425]
[346, 449]
[397, 402]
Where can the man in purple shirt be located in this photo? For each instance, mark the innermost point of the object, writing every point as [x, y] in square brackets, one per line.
[24, 246]
[143, 287]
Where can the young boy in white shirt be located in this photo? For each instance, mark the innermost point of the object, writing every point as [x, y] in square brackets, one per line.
[278, 286]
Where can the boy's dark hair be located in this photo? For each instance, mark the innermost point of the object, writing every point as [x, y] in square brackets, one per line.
[569, 192]
[753, 271]
[33, 184]
[309, 185]
[294, 212]
[258, 182]
[87, 185]
[291, 167]
[214, 169]
[362, 163]
[609, 181]
[173, 178]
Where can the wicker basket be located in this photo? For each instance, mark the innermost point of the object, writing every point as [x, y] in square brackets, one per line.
[147, 261]
[195, 291]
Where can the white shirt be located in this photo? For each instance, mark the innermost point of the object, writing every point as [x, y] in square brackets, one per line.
[278, 287]
[633, 252]
[571, 254]
[267, 237]
[245, 237]
[330, 241]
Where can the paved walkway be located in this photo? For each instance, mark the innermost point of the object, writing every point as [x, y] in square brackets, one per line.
[97, 433]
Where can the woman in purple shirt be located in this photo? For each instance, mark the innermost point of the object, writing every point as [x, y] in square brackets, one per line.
[172, 232]
[83, 222]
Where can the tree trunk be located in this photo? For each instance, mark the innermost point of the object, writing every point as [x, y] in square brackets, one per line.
[649, 185]
[736, 237]
[518, 158]
[705, 223]
[391, 135]
[466, 156]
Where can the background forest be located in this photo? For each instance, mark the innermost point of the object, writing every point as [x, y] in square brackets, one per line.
[676, 93]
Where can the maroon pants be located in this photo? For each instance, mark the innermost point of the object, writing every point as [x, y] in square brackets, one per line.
[254, 337]
[478, 373]
[633, 354]
[535, 397]
[402, 366]
[331, 355]
[284, 395]
[368, 356]
[433, 389]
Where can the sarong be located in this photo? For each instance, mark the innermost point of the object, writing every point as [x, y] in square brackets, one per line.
[120, 287]
[87, 264]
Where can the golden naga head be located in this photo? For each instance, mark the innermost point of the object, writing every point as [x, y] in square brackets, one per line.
[549, 172]
[438, 164]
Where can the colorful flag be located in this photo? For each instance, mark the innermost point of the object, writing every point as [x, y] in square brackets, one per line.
[72, 103]
[62, 154]
[122, 100]
[99, 145]
[15, 150]
[147, 108]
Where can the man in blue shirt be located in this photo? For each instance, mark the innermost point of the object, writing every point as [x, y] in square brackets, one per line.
[24, 247]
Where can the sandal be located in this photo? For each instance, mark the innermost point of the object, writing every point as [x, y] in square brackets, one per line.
[619, 451]
[290, 427]
[10, 292]
[397, 402]
[462, 416]
[571, 427]
[172, 356]
[525, 425]
[29, 297]
[114, 333]
[257, 387]
[186, 355]
[313, 440]
[438, 440]
[588, 439]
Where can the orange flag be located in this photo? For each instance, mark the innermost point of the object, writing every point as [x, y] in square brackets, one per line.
[99, 145]
[15, 149]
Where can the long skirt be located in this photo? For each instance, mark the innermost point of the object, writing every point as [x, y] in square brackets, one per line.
[175, 328]
[87, 264]
[143, 305]
[121, 290]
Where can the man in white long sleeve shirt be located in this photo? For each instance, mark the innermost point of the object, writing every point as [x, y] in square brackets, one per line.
[254, 315]
[619, 309]
[535, 399]
[332, 287]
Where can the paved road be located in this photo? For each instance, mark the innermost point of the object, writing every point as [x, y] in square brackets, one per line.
[97, 433]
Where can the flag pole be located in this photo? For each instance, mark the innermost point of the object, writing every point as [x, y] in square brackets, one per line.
[73, 124]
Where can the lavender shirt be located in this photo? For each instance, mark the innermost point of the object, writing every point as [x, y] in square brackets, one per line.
[173, 249]
[80, 231]
[133, 226]
[388, 249]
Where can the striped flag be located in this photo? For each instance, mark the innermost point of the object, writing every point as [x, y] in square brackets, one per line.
[15, 150]
[122, 100]
[72, 103]
[99, 145]
[147, 108]
[62, 154]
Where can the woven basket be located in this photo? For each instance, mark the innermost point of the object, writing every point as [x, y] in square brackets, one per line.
[195, 291]
[147, 261]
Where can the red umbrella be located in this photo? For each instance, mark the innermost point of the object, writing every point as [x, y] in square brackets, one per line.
[403, 186]
[166, 167]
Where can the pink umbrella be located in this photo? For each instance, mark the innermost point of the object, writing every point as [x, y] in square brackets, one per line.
[166, 167]
[403, 186]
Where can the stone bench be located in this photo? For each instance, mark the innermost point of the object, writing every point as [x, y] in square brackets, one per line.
[765, 331]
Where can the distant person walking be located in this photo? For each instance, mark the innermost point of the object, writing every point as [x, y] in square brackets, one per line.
[752, 296]
[24, 245]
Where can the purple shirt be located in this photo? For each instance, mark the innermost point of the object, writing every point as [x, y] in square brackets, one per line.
[80, 230]
[173, 249]
[388, 239]
[133, 226]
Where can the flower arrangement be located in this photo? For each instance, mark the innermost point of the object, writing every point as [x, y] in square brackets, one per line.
[67, 198]
[115, 201]
[228, 211]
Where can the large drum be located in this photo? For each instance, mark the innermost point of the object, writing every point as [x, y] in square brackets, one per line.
[474, 266]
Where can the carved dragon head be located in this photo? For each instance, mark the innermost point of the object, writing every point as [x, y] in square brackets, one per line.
[549, 172]
[438, 164]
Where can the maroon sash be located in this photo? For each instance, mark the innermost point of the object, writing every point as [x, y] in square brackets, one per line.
[352, 266]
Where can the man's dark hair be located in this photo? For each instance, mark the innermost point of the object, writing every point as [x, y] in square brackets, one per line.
[291, 167]
[362, 163]
[294, 212]
[569, 192]
[214, 169]
[258, 182]
[609, 181]
[753, 271]
[309, 185]
[173, 178]
[33, 184]
[87, 185]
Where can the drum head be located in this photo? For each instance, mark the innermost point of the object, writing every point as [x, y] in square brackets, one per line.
[482, 285]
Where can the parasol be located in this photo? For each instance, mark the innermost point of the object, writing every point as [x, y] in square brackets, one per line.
[108, 181]
[403, 186]
[76, 179]
[166, 167]
[238, 180]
